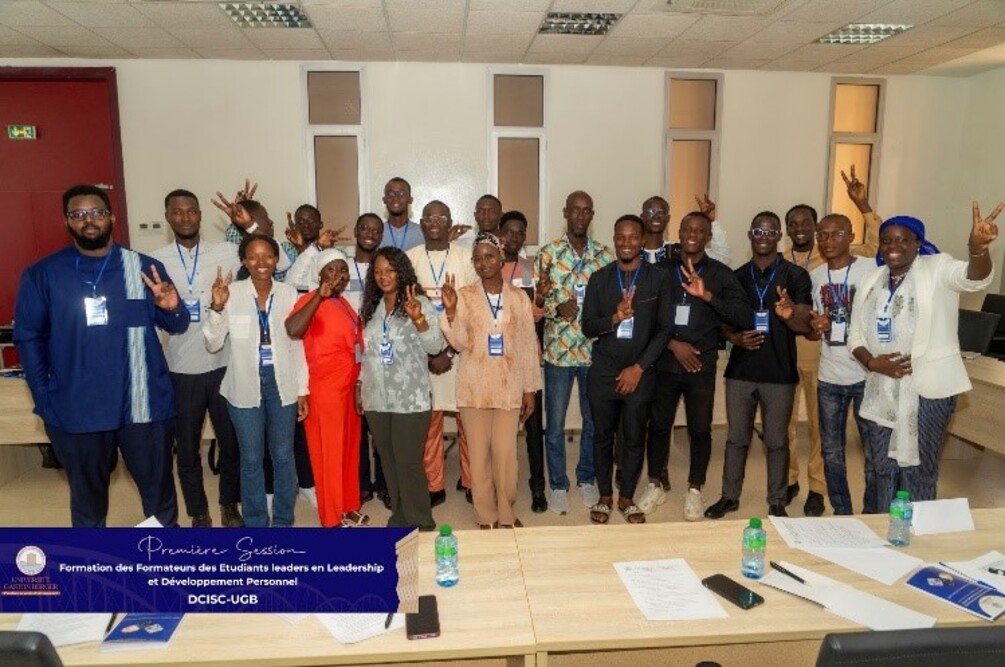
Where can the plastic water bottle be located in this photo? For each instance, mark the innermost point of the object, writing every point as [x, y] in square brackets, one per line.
[447, 573]
[755, 541]
[901, 513]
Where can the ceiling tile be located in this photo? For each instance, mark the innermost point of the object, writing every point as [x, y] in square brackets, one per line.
[759, 50]
[652, 25]
[914, 12]
[627, 46]
[95, 52]
[981, 14]
[695, 48]
[824, 53]
[229, 54]
[943, 54]
[166, 53]
[133, 38]
[498, 43]
[504, 22]
[846, 68]
[677, 62]
[611, 60]
[899, 67]
[795, 32]
[981, 39]
[343, 40]
[555, 58]
[283, 38]
[491, 57]
[604, 6]
[208, 38]
[64, 36]
[103, 14]
[842, 11]
[786, 65]
[297, 54]
[9, 37]
[567, 44]
[735, 63]
[716, 28]
[344, 3]
[426, 20]
[342, 18]
[424, 41]
[428, 5]
[428, 56]
[35, 50]
[30, 13]
[930, 36]
[880, 55]
[512, 5]
[177, 15]
[357, 55]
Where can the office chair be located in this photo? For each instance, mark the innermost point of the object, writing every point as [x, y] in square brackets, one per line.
[27, 649]
[982, 646]
[995, 303]
[976, 329]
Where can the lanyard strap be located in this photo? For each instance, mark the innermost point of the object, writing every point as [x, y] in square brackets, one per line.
[680, 276]
[893, 290]
[263, 320]
[762, 293]
[189, 277]
[358, 274]
[840, 297]
[387, 315]
[404, 236]
[495, 309]
[631, 284]
[443, 266]
[512, 274]
[93, 284]
[806, 264]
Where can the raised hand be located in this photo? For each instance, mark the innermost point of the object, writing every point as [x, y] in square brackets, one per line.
[413, 308]
[543, 286]
[327, 287]
[293, 234]
[448, 292]
[329, 237]
[706, 206]
[784, 307]
[165, 295]
[686, 354]
[625, 310]
[856, 191]
[248, 192]
[221, 289]
[456, 232]
[984, 230]
[693, 283]
[894, 365]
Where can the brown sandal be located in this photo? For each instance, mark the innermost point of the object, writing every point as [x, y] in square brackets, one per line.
[632, 514]
[600, 513]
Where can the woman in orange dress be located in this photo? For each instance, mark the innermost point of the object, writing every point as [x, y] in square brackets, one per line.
[333, 343]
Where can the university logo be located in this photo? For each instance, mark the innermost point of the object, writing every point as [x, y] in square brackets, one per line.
[30, 560]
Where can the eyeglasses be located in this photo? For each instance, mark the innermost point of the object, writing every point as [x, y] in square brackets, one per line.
[837, 235]
[757, 233]
[395, 194]
[82, 213]
[428, 219]
[656, 213]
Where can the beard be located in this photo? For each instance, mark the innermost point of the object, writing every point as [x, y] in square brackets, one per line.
[96, 243]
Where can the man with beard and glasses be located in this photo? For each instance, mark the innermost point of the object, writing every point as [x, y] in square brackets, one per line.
[87, 336]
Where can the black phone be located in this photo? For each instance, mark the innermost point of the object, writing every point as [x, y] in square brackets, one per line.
[426, 622]
[740, 595]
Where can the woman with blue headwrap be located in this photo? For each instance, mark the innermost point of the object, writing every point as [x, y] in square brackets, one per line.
[904, 331]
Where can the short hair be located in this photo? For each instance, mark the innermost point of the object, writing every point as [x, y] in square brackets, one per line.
[179, 193]
[490, 198]
[360, 219]
[766, 214]
[399, 179]
[513, 215]
[85, 191]
[437, 201]
[806, 207]
[308, 207]
[251, 206]
[242, 249]
[646, 203]
[699, 215]
[630, 217]
[843, 219]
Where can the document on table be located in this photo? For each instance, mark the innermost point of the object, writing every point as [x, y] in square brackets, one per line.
[988, 569]
[847, 601]
[668, 590]
[150, 522]
[67, 629]
[932, 517]
[353, 628]
[826, 533]
[883, 564]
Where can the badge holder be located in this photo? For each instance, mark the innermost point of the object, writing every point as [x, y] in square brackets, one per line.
[96, 310]
[625, 329]
[762, 321]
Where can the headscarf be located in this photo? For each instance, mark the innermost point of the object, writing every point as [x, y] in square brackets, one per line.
[321, 260]
[489, 238]
[916, 226]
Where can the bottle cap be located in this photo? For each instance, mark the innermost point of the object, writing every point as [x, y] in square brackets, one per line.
[445, 530]
[903, 495]
[755, 522]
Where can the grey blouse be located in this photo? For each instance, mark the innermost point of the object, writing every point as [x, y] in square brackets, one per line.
[403, 385]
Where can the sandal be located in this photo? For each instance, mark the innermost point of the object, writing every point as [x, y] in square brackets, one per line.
[516, 524]
[485, 526]
[600, 513]
[355, 520]
[632, 514]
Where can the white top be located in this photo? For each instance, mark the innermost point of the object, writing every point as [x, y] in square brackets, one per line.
[834, 296]
[357, 279]
[239, 321]
[186, 353]
[718, 247]
[302, 272]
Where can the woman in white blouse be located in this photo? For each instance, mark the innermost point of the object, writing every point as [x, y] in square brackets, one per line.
[266, 381]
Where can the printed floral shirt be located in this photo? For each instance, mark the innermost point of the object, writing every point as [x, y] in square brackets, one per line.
[564, 343]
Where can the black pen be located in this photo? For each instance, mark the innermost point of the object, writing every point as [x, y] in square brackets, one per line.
[776, 566]
[387, 622]
[111, 622]
[996, 570]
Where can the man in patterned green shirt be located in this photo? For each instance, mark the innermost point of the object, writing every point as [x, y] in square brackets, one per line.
[565, 267]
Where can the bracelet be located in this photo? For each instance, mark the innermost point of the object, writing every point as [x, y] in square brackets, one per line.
[252, 228]
[979, 254]
[419, 320]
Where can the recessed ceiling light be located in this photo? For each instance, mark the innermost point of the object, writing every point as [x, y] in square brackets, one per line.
[864, 33]
[577, 23]
[266, 14]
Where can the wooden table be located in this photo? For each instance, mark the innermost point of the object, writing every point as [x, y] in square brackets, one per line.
[484, 620]
[980, 413]
[583, 614]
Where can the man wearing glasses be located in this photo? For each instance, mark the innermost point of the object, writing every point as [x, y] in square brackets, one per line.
[86, 334]
[399, 231]
[762, 364]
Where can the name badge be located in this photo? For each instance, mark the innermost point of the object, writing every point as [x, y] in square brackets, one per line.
[681, 315]
[518, 282]
[762, 321]
[625, 328]
[194, 309]
[436, 298]
[884, 329]
[495, 345]
[580, 293]
[358, 350]
[96, 310]
[265, 354]
[387, 353]
[839, 333]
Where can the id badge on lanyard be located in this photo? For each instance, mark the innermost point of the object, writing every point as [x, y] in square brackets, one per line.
[580, 293]
[762, 321]
[194, 308]
[625, 328]
[265, 354]
[496, 345]
[884, 329]
[839, 333]
[436, 297]
[387, 353]
[96, 310]
[681, 314]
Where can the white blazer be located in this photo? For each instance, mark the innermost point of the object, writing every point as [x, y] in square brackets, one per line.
[936, 363]
[241, 385]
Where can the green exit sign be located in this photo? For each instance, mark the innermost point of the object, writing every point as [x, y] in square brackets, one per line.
[22, 132]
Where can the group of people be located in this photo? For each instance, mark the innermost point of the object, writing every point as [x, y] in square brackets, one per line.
[304, 353]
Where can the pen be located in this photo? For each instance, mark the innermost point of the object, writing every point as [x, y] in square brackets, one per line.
[111, 622]
[776, 566]
[387, 622]
[997, 570]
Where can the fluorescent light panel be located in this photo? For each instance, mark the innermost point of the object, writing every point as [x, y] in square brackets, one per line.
[577, 23]
[266, 14]
[864, 33]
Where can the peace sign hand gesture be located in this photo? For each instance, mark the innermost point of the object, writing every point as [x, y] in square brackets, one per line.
[625, 310]
[693, 283]
[165, 295]
[544, 284]
[706, 206]
[856, 191]
[984, 230]
[413, 308]
[448, 292]
[293, 234]
[221, 289]
[329, 237]
[784, 307]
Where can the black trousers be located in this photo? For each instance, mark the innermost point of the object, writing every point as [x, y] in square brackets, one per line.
[610, 409]
[534, 430]
[698, 391]
[377, 483]
[194, 396]
[90, 458]
[301, 457]
[401, 440]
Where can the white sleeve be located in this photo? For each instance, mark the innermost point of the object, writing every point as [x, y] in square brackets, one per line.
[718, 248]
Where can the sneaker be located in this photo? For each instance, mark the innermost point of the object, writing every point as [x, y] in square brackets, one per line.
[590, 494]
[309, 494]
[437, 497]
[777, 510]
[652, 497]
[722, 507]
[814, 504]
[694, 505]
[230, 516]
[538, 503]
[268, 504]
[202, 521]
[559, 501]
[791, 492]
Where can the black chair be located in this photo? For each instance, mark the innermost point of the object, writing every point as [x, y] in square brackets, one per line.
[931, 647]
[976, 329]
[995, 303]
[27, 649]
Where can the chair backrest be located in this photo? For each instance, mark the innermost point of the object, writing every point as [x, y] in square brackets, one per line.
[995, 303]
[976, 329]
[931, 647]
[27, 649]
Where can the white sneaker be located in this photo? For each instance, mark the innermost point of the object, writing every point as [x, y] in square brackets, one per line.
[652, 497]
[590, 494]
[268, 506]
[558, 502]
[694, 505]
[310, 495]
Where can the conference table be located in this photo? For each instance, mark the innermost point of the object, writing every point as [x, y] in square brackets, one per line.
[551, 596]
[980, 413]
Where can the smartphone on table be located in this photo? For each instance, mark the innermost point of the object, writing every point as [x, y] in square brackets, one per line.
[425, 623]
[740, 595]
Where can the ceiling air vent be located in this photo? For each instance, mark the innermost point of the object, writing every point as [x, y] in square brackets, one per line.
[864, 33]
[266, 14]
[577, 23]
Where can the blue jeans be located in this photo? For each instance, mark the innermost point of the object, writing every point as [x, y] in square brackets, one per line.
[833, 401]
[252, 425]
[557, 391]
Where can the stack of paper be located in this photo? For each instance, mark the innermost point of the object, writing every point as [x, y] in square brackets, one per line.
[67, 629]
[668, 590]
[352, 628]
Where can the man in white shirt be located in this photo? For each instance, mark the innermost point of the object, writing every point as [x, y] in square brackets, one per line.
[305, 232]
[196, 374]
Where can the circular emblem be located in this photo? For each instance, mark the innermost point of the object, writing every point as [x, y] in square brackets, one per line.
[30, 560]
